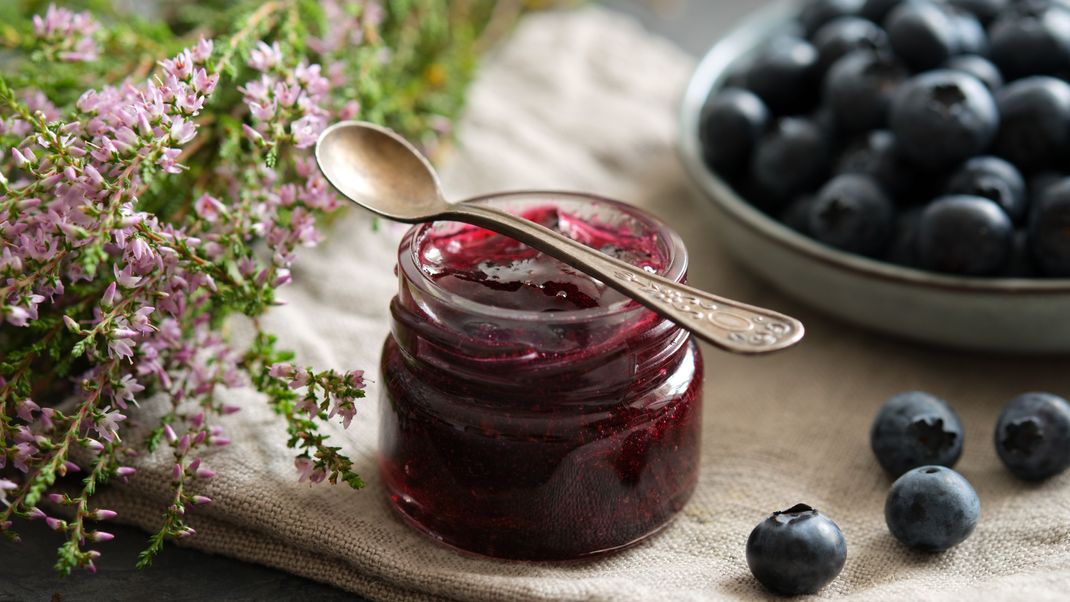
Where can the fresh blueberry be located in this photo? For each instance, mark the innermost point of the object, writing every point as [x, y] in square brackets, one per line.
[845, 35]
[985, 11]
[932, 508]
[943, 117]
[1039, 183]
[732, 122]
[791, 159]
[1049, 229]
[1034, 130]
[902, 249]
[1021, 264]
[785, 74]
[1031, 38]
[967, 235]
[979, 67]
[815, 14]
[876, 156]
[796, 551]
[915, 429]
[878, 10]
[852, 213]
[797, 214]
[992, 178]
[859, 89]
[1033, 436]
[970, 34]
[924, 34]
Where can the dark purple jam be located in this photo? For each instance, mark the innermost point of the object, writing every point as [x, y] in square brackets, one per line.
[520, 422]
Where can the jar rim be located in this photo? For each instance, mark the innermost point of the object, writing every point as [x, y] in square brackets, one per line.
[675, 266]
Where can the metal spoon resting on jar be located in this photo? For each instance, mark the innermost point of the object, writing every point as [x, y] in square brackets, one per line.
[380, 171]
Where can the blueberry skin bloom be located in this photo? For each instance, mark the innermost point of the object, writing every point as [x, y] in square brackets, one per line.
[994, 179]
[915, 429]
[1034, 131]
[967, 235]
[796, 551]
[860, 87]
[785, 75]
[792, 158]
[1033, 436]
[852, 213]
[1049, 229]
[732, 122]
[943, 117]
[932, 508]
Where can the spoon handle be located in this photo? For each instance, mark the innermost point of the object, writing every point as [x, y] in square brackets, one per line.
[724, 323]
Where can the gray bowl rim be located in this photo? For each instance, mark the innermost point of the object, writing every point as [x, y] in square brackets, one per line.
[712, 69]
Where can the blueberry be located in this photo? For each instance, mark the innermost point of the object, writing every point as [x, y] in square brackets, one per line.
[1034, 129]
[852, 213]
[943, 117]
[1021, 264]
[1033, 436]
[915, 429]
[859, 89]
[796, 551]
[846, 34]
[932, 508]
[815, 14]
[1031, 38]
[992, 178]
[792, 158]
[878, 10]
[732, 123]
[925, 35]
[785, 74]
[797, 214]
[876, 156]
[979, 67]
[967, 235]
[970, 35]
[1049, 229]
[902, 249]
[985, 11]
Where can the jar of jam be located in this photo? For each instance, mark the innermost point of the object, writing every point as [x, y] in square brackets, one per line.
[529, 411]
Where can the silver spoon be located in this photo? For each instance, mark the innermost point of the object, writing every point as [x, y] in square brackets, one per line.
[380, 171]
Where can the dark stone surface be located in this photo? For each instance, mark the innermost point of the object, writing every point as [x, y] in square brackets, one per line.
[180, 574]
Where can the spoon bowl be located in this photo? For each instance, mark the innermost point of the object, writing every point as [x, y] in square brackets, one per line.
[380, 171]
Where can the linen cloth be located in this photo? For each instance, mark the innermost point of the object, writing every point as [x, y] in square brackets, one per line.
[587, 100]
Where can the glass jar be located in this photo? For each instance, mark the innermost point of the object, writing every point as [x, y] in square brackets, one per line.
[528, 411]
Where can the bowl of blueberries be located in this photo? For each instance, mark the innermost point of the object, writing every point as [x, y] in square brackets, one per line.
[901, 164]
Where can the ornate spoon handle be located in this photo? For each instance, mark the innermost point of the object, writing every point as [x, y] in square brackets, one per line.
[728, 324]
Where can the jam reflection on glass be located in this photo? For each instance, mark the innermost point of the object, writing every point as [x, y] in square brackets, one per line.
[529, 411]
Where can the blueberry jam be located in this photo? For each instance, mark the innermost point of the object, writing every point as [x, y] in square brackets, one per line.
[496, 270]
[519, 422]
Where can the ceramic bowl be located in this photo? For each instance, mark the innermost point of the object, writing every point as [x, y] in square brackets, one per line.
[990, 314]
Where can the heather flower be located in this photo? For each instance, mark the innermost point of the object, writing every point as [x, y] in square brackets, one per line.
[125, 247]
[5, 486]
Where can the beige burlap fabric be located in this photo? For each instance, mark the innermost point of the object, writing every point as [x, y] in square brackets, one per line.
[586, 100]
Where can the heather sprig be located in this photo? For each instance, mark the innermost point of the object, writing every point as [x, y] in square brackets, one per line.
[155, 181]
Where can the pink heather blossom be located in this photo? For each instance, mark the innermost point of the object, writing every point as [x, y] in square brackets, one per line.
[169, 433]
[204, 473]
[208, 207]
[57, 498]
[68, 34]
[264, 57]
[201, 500]
[56, 524]
[281, 370]
[99, 536]
[202, 51]
[26, 409]
[102, 514]
[300, 379]
[108, 425]
[125, 471]
[5, 486]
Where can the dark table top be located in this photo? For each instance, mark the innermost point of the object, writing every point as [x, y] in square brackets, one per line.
[26, 572]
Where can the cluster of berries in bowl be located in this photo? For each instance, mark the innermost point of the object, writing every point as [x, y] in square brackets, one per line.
[917, 438]
[929, 134]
